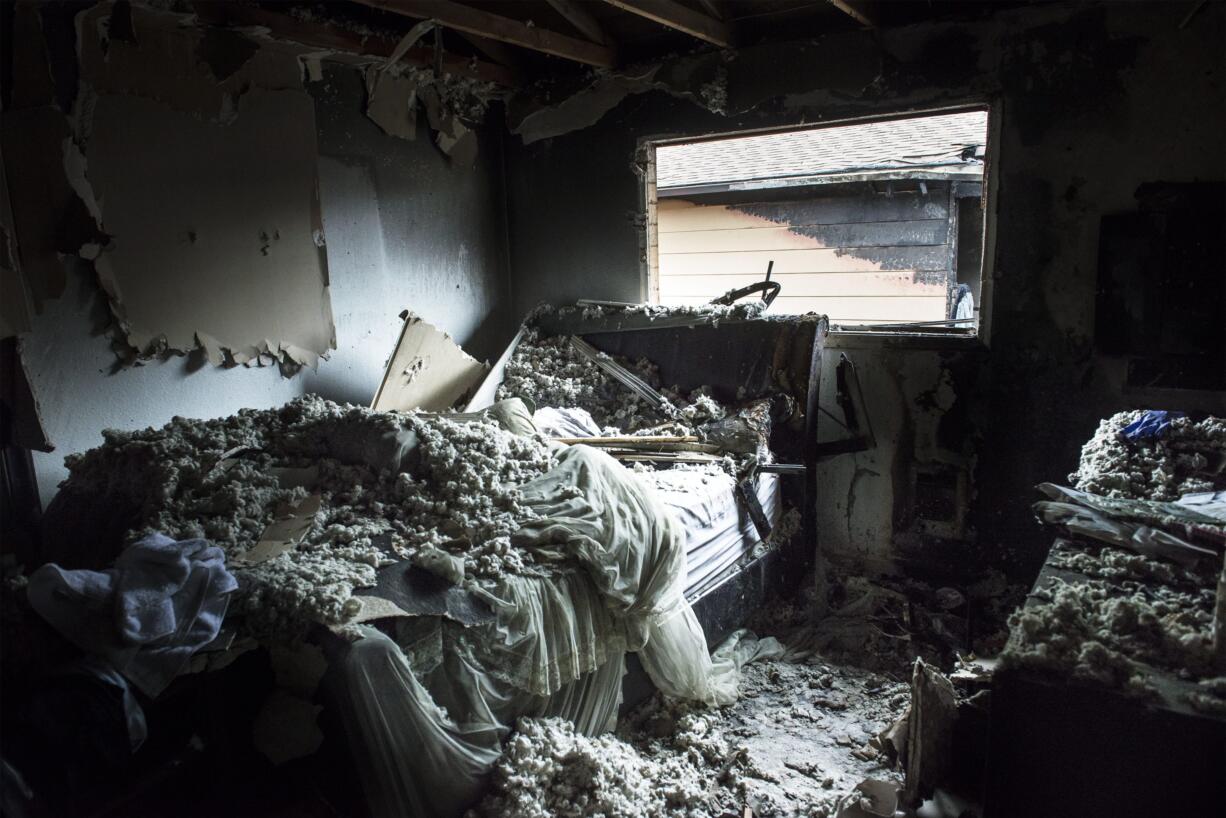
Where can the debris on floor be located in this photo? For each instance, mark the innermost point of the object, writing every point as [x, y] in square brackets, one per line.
[797, 743]
[390, 486]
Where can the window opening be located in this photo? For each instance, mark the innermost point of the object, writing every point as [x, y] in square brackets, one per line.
[877, 224]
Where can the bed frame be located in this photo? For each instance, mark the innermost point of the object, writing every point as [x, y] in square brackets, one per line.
[739, 359]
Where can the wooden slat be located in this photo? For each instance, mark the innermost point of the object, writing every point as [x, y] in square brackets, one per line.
[677, 215]
[504, 29]
[331, 37]
[682, 18]
[582, 20]
[827, 285]
[927, 232]
[852, 308]
[868, 259]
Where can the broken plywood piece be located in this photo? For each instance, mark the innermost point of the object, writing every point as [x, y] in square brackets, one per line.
[214, 236]
[427, 371]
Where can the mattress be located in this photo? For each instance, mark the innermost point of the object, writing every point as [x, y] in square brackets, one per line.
[719, 531]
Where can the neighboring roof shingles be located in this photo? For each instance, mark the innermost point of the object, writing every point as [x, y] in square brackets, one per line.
[900, 143]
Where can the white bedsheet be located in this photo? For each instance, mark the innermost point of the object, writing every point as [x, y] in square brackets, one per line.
[718, 529]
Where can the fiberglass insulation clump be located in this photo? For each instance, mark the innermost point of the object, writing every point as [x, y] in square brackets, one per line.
[225, 480]
[1181, 460]
[549, 371]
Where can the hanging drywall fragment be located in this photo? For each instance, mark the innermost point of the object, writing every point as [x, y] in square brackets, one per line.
[581, 109]
[75, 167]
[427, 370]
[212, 348]
[391, 102]
[312, 65]
[215, 233]
[460, 144]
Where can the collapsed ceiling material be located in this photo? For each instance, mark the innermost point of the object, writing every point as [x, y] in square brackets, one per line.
[309, 499]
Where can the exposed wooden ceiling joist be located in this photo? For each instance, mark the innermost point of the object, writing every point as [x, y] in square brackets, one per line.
[504, 29]
[498, 52]
[332, 37]
[581, 19]
[682, 18]
[855, 11]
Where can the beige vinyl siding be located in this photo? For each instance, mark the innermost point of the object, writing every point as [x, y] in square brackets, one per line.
[866, 259]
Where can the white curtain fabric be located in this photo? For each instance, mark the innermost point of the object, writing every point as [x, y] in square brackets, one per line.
[427, 722]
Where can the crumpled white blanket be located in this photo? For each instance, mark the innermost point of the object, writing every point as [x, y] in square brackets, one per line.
[161, 602]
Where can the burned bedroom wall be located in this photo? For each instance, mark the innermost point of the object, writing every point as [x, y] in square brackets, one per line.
[348, 225]
[1092, 101]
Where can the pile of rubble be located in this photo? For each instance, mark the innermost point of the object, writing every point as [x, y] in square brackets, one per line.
[800, 739]
[1181, 460]
[389, 486]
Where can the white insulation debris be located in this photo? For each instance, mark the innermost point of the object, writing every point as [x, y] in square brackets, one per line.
[381, 501]
[1132, 615]
[1163, 469]
[797, 742]
[548, 371]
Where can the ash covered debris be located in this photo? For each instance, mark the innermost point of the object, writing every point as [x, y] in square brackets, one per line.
[797, 743]
[435, 483]
[1186, 457]
[1126, 618]
[549, 371]
[711, 312]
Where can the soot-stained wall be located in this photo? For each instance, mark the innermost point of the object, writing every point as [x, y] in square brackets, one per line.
[405, 229]
[1091, 101]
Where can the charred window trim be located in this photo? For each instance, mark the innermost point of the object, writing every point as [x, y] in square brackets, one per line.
[644, 165]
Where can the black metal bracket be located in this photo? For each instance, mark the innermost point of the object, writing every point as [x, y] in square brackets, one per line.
[769, 289]
[845, 376]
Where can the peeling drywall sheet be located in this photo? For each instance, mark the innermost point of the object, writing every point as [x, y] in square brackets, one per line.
[582, 109]
[215, 232]
[391, 102]
[427, 371]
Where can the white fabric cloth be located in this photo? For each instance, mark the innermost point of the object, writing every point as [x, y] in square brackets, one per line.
[161, 602]
[565, 422]
[427, 724]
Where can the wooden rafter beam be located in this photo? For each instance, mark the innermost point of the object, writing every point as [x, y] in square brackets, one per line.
[682, 18]
[332, 37]
[500, 53]
[582, 20]
[503, 29]
[854, 11]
